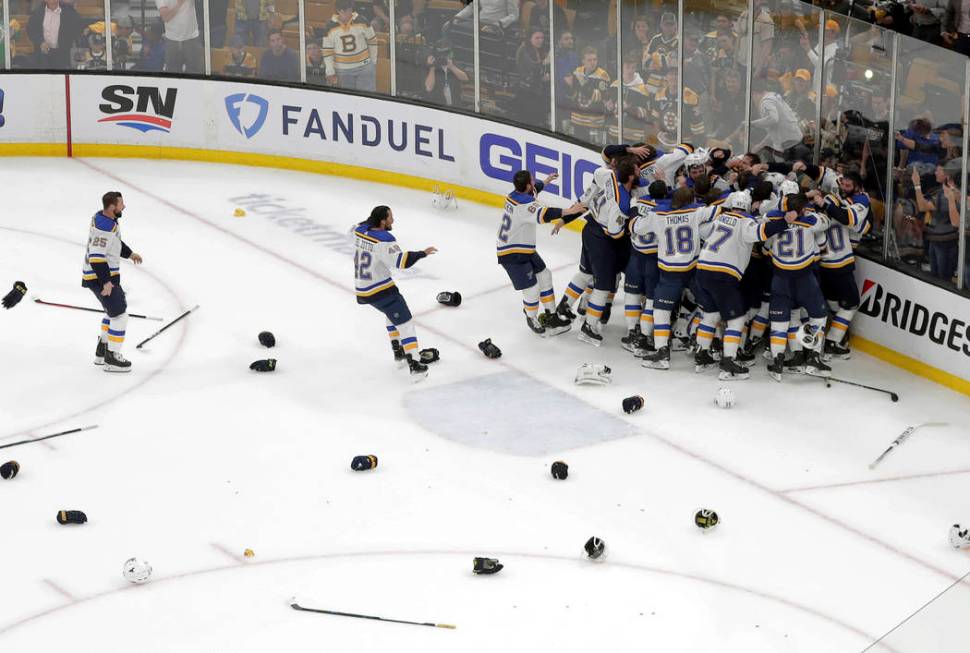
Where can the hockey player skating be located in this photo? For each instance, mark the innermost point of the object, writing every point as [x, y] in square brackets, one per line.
[516, 250]
[847, 208]
[722, 262]
[376, 253]
[101, 274]
[794, 284]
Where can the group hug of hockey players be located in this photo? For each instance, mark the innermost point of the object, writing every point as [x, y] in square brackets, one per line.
[716, 255]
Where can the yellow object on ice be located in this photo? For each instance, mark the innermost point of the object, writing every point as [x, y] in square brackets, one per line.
[239, 213]
[249, 553]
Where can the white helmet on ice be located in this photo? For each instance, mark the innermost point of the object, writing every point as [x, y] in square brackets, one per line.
[136, 571]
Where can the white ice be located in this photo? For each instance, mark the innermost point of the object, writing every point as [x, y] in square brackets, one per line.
[197, 458]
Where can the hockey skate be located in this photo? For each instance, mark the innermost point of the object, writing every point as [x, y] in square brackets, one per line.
[554, 324]
[815, 366]
[749, 349]
[564, 311]
[777, 367]
[400, 359]
[419, 371]
[658, 360]
[644, 346]
[533, 324]
[836, 350]
[115, 362]
[100, 352]
[703, 361]
[589, 335]
[796, 364]
[745, 357]
[630, 340]
[731, 371]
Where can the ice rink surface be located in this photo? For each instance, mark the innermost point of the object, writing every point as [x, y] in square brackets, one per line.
[197, 458]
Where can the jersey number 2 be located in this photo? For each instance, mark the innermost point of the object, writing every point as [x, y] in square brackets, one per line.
[362, 261]
[503, 232]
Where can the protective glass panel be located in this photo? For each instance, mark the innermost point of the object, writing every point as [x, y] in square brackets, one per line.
[940, 625]
[61, 43]
[928, 131]
[4, 64]
[649, 37]
[585, 69]
[515, 61]
[152, 36]
[855, 61]
[715, 73]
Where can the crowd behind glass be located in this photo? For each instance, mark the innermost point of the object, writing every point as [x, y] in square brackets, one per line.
[844, 84]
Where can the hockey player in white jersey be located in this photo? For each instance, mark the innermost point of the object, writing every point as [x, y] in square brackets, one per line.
[101, 274]
[516, 249]
[605, 238]
[679, 232]
[721, 265]
[376, 253]
[794, 253]
[848, 211]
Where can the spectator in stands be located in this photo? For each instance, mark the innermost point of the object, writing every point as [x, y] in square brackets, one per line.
[665, 43]
[152, 58]
[316, 68]
[241, 63]
[764, 37]
[640, 41]
[183, 46]
[412, 54]
[375, 14]
[252, 19]
[722, 27]
[777, 120]
[567, 60]
[279, 62]
[635, 103]
[696, 71]
[95, 56]
[539, 18]
[942, 220]
[53, 27]
[918, 146]
[663, 112]
[589, 84]
[728, 110]
[443, 80]
[956, 26]
[801, 98]
[532, 65]
[495, 13]
[350, 50]
[832, 31]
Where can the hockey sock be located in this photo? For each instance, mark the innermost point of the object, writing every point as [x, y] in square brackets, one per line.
[530, 301]
[840, 325]
[632, 307]
[105, 325]
[706, 329]
[661, 327]
[584, 300]
[646, 318]
[818, 325]
[116, 332]
[610, 297]
[759, 323]
[732, 336]
[546, 294]
[793, 324]
[596, 306]
[409, 341]
[577, 286]
[779, 338]
[392, 331]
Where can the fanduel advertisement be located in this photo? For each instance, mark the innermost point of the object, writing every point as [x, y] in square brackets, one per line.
[914, 318]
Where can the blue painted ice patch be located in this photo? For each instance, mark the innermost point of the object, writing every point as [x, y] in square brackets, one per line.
[512, 413]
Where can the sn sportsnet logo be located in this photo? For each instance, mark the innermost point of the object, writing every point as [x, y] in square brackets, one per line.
[908, 315]
[145, 108]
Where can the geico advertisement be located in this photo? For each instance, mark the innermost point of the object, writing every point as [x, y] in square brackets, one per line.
[32, 109]
[914, 318]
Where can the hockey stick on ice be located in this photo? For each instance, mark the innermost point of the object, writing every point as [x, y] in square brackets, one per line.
[37, 300]
[827, 379]
[157, 333]
[48, 437]
[902, 438]
[297, 606]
